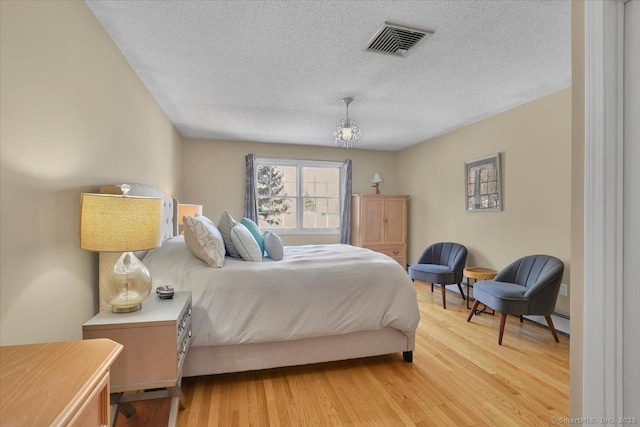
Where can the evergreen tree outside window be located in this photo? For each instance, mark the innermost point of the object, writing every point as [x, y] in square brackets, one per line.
[299, 196]
[275, 204]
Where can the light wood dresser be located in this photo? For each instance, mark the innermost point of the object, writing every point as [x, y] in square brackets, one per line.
[379, 222]
[56, 384]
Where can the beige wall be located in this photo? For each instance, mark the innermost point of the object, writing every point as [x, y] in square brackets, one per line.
[213, 174]
[74, 115]
[577, 208]
[535, 142]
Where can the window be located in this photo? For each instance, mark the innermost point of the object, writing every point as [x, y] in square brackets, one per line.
[299, 196]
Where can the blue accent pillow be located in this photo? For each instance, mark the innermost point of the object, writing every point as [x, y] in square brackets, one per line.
[255, 230]
[273, 245]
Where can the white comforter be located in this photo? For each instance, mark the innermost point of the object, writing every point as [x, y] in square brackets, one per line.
[316, 290]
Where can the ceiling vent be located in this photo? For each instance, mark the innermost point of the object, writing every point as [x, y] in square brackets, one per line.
[396, 39]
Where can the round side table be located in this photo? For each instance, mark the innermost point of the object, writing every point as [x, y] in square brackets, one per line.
[477, 273]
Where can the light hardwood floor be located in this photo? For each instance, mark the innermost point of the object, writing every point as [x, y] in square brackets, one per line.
[459, 376]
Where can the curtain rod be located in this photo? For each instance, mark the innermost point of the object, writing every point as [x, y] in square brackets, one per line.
[292, 158]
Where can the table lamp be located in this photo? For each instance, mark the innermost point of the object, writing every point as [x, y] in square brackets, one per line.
[377, 179]
[188, 210]
[110, 223]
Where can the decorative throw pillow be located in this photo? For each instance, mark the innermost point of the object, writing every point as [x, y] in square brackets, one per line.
[225, 225]
[273, 245]
[255, 230]
[245, 243]
[204, 218]
[204, 240]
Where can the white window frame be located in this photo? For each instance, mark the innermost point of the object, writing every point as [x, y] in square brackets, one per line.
[299, 164]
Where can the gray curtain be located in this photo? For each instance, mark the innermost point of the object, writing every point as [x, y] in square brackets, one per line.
[251, 190]
[345, 220]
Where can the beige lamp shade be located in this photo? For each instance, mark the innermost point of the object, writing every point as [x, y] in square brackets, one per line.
[188, 210]
[110, 223]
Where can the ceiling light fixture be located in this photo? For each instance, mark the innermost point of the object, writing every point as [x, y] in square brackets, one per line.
[347, 132]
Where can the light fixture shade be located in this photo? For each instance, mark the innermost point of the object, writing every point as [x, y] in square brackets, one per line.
[377, 178]
[188, 210]
[110, 223]
[347, 133]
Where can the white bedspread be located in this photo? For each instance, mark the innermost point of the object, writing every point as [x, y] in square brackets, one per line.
[316, 290]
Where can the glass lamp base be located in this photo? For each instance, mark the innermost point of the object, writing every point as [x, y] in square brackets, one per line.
[126, 309]
[126, 284]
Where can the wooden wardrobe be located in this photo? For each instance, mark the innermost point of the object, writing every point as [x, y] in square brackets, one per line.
[379, 222]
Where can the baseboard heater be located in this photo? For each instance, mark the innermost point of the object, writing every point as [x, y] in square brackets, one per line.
[561, 321]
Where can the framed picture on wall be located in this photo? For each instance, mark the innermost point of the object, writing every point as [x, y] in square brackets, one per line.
[483, 184]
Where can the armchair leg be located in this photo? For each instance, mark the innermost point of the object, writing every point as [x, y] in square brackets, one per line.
[461, 292]
[553, 329]
[444, 296]
[473, 310]
[503, 320]
[432, 287]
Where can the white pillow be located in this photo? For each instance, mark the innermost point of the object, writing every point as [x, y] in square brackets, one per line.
[273, 245]
[204, 240]
[225, 225]
[245, 243]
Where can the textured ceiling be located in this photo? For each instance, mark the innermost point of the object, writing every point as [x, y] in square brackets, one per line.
[276, 71]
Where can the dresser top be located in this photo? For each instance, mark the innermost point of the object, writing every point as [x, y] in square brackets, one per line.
[47, 384]
[153, 310]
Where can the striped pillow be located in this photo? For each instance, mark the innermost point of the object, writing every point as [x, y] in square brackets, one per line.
[225, 225]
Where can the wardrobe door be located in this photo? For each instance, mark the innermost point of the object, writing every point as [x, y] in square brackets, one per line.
[373, 218]
[395, 221]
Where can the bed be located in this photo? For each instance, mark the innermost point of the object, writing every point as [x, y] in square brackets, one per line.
[320, 303]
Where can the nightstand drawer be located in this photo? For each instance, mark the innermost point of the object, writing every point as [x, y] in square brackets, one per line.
[184, 322]
[183, 335]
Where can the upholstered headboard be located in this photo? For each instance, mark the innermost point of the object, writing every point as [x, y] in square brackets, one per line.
[169, 223]
[169, 210]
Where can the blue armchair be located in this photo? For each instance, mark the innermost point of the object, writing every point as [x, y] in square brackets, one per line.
[441, 263]
[528, 286]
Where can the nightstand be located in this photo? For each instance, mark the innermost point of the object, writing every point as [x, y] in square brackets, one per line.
[156, 339]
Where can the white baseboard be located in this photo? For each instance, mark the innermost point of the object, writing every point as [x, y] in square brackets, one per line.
[560, 323]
